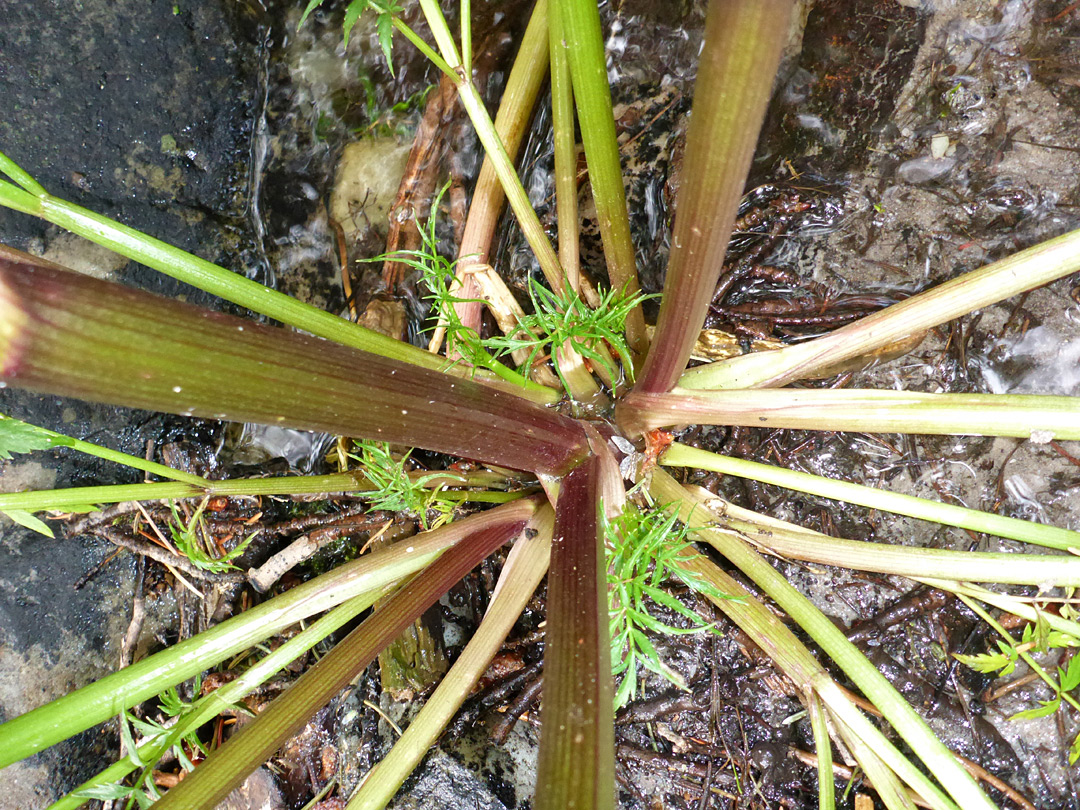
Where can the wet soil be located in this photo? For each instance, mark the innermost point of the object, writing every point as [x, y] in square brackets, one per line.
[219, 127]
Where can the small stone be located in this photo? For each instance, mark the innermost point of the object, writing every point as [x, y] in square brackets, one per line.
[939, 145]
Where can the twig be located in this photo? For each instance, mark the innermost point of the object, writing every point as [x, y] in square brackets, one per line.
[158, 554]
[264, 577]
[138, 615]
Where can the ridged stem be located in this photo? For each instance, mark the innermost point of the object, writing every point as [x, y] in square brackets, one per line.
[72, 335]
[92, 704]
[1024, 416]
[912, 728]
[1007, 277]
[679, 455]
[576, 766]
[522, 572]
[743, 42]
[227, 766]
[583, 41]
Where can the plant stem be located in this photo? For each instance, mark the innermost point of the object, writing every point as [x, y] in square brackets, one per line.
[820, 726]
[1018, 606]
[220, 699]
[576, 766]
[1024, 416]
[202, 274]
[227, 767]
[524, 569]
[834, 643]
[562, 124]
[515, 109]
[743, 42]
[1025, 656]
[1010, 276]
[680, 455]
[98, 701]
[793, 658]
[582, 39]
[1013, 569]
[60, 440]
[494, 149]
[73, 335]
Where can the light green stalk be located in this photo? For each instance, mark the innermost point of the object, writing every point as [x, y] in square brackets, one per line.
[92, 704]
[524, 568]
[793, 658]
[1023, 416]
[1007, 277]
[680, 455]
[912, 728]
[820, 726]
[583, 43]
[222, 698]
[42, 437]
[494, 149]
[909, 561]
[186, 267]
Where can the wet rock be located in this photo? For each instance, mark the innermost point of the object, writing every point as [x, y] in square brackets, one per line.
[258, 792]
[366, 183]
[925, 169]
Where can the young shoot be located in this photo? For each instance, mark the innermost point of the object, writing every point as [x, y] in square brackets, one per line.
[644, 551]
[1037, 638]
[192, 539]
[395, 491]
[437, 273]
[565, 319]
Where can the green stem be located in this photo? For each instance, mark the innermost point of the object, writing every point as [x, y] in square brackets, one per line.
[1008, 603]
[908, 724]
[524, 569]
[92, 704]
[881, 762]
[494, 149]
[516, 195]
[466, 37]
[55, 439]
[73, 497]
[204, 275]
[793, 658]
[562, 123]
[444, 39]
[1010, 276]
[680, 455]
[787, 540]
[1022, 416]
[511, 123]
[73, 335]
[425, 49]
[222, 698]
[1025, 656]
[583, 42]
[227, 767]
[823, 746]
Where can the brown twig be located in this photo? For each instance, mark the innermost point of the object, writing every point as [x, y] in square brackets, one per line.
[138, 615]
[154, 552]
